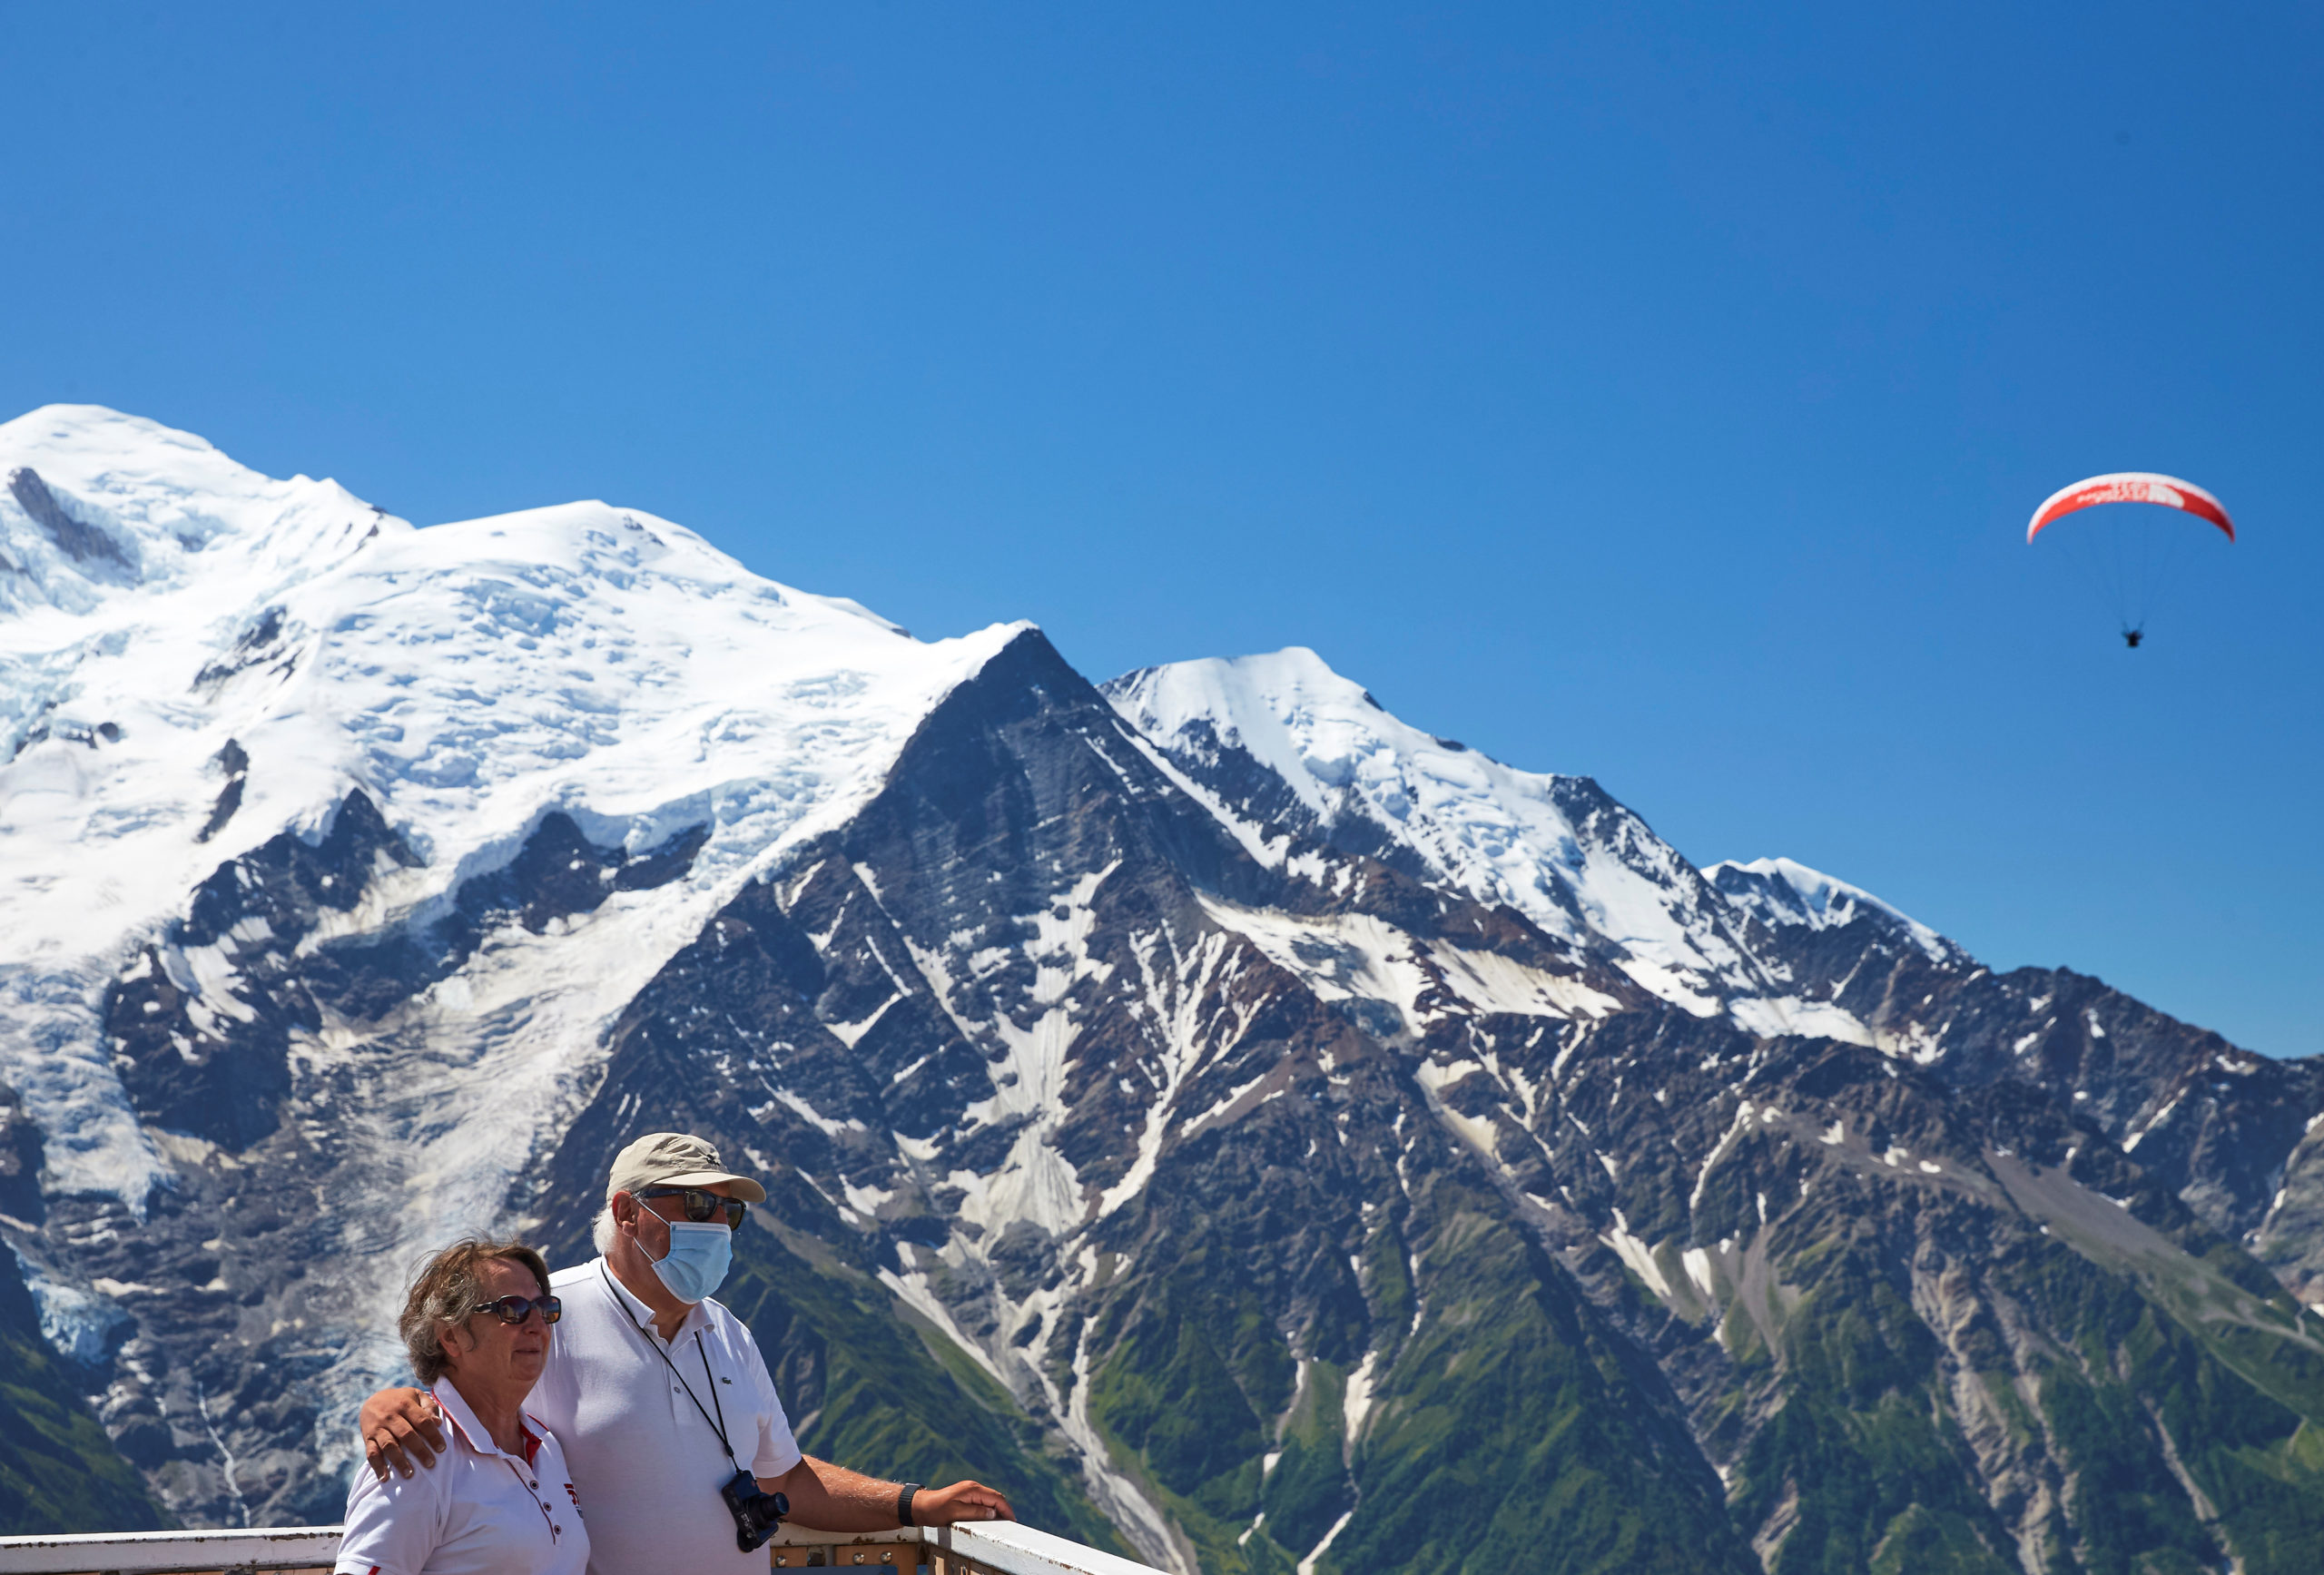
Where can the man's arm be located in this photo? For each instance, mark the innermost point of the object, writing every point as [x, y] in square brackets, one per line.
[828, 1498]
[397, 1425]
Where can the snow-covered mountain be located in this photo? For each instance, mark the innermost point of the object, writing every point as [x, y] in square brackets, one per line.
[199, 657]
[1280, 746]
[1282, 741]
[1177, 1102]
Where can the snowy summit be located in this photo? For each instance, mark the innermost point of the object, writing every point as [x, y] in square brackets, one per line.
[193, 657]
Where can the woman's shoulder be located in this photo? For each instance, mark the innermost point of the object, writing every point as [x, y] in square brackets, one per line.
[430, 1485]
[396, 1521]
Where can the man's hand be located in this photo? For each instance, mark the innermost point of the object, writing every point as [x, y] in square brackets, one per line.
[395, 1420]
[961, 1501]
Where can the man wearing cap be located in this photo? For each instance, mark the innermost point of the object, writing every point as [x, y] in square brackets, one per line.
[659, 1395]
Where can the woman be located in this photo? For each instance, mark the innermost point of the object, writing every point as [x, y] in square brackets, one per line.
[476, 1326]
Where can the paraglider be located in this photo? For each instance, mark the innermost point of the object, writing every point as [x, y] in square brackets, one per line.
[2131, 487]
[2126, 564]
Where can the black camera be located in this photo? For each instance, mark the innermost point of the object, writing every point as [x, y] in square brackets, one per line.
[757, 1515]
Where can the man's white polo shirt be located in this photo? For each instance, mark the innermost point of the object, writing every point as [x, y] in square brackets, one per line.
[647, 1462]
[480, 1510]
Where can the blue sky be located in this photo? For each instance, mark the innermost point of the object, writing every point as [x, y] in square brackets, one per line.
[1659, 394]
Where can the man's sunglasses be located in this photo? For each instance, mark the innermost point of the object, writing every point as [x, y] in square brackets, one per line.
[517, 1309]
[702, 1207]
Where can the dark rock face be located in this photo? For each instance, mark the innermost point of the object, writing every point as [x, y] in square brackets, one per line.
[556, 874]
[2227, 1131]
[84, 544]
[260, 642]
[1270, 1201]
[235, 763]
[223, 1077]
[20, 1160]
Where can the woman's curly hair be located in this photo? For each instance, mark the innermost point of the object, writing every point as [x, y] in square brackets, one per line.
[445, 1293]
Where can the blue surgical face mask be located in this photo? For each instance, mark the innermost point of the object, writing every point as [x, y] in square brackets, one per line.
[698, 1260]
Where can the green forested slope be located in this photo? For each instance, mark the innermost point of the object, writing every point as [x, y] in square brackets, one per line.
[58, 1471]
[1511, 1431]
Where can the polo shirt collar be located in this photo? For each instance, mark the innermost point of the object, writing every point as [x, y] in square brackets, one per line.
[472, 1432]
[695, 1316]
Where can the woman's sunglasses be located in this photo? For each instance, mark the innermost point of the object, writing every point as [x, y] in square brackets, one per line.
[702, 1207]
[517, 1309]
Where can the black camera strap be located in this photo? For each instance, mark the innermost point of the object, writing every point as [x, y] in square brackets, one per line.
[708, 1377]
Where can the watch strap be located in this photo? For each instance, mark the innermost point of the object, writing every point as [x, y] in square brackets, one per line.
[903, 1503]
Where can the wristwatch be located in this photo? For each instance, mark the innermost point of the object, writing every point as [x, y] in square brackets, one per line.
[903, 1503]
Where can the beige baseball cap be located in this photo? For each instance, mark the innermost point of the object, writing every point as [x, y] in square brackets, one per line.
[675, 1159]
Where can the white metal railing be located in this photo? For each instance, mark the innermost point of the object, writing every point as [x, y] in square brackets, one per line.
[154, 1553]
[988, 1547]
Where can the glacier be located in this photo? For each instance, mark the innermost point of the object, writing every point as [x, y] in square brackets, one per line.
[248, 650]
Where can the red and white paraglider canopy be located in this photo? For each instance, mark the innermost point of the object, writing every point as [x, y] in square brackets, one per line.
[2131, 487]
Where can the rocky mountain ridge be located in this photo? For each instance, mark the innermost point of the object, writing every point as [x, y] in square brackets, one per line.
[1259, 1131]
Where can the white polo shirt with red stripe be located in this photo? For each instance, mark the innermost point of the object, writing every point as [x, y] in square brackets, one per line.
[623, 1402]
[479, 1511]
